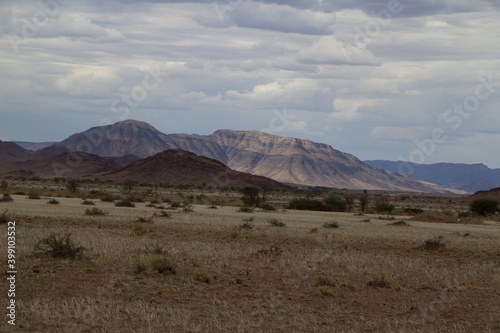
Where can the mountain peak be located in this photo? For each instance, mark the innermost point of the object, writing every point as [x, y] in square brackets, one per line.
[134, 123]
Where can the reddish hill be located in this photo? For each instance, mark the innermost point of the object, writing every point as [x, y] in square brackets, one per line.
[493, 194]
[63, 165]
[178, 167]
[9, 151]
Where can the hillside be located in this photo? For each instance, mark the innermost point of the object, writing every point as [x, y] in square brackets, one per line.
[176, 167]
[63, 165]
[10, 151]
[283, 159]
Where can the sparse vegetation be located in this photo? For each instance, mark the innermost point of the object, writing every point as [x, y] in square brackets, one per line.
[140, 228]
[34, 195]
[413, 211]
[72, 185]
[6, 198]
[247, 225]
[245, 210]
[4, 185]
[155, 264]
[276, 223]
[332, 203]
[202, 277]
[94, 211]
[57, 246]
[435, 243]
[88, 202]
[379, 281]
[360, 272]
[106, 197]
[384, 207]
[128, 185]
[330, 225]
[163, 213]
[400, 224]
[53, 202]
[251, 196]
[4, 218]
[484, 207]
[124, 203]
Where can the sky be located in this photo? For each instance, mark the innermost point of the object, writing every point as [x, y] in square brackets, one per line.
[404, 80]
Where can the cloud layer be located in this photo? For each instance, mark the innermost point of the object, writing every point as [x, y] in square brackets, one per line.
[376, 79]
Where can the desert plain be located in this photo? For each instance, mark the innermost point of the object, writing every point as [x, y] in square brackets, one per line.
[202, 265]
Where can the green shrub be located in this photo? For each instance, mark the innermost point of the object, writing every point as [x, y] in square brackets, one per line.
[331, 225]
[106, 197]
[276, 223]
[88, 202]
[434, 244]
[267, 207]
[94, 211]
[484, 207]
[57, 246]
[332, 203]
[33, 195]
[163, 213]
[53, 202]
[124, 203]
[6, 198]
[307, 204]
[335, 203]
[413, 211]
[4, 218]
[157, 263]
[385, 207]
[202, 277]
[140, 228]
[245, 210]
[247, 225]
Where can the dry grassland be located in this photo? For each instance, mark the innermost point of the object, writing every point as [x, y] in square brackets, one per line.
[359, 277]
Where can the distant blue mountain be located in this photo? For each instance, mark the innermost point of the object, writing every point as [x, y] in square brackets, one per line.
[467, 177]
[33, 145]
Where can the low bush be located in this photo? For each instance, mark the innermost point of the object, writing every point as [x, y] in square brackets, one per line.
[140, 228]
[247, 225]
[33, 195]
[88, 202]
[124, 203]
[379, 281]
[384, 207]
[156, 263]
[53, 202]
[331, 225]
[57, 246]
[413, 211]
[4, 218]
[94, 211]
[245, 210]
[202, 277]
[307, 204]
[163, 213]
[276, 223]
[268, 208]
[107, 197]
[6, 198]
[434, 244]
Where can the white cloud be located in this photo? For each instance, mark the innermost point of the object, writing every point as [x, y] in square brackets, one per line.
[347, 109]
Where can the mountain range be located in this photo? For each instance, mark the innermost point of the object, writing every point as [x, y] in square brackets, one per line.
[287, 160]
[283, 159]
[466, 177]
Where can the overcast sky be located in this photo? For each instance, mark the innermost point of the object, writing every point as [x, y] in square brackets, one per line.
[381, 79]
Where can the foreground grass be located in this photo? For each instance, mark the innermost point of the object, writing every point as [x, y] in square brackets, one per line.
[358, 277]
